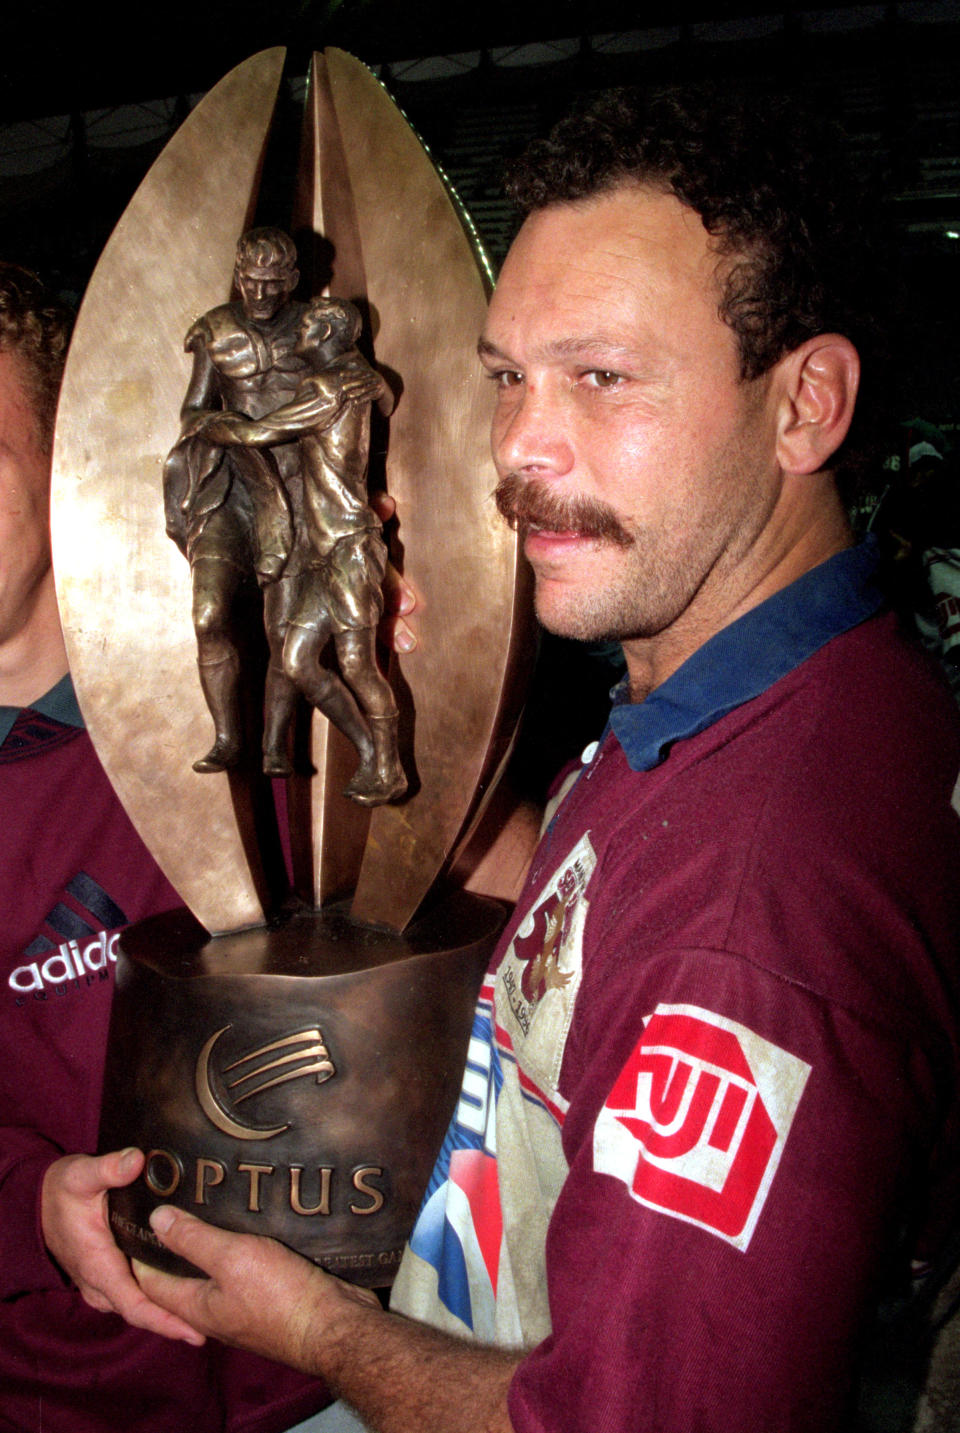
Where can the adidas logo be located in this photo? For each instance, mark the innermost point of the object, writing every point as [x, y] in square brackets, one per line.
[85, 950]
[68, 962]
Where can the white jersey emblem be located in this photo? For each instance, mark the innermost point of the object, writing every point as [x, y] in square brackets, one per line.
[540, 973]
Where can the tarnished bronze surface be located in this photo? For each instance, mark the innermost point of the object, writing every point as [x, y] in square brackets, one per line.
[274, 1100]
[267, 485]
[427, 295]
[295, 1080]
[368, 189]
[124, 590]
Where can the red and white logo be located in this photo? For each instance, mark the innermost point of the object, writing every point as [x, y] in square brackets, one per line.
[697, 1120]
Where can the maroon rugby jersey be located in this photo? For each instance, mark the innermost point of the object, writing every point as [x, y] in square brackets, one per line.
[712, 1094]
[72, 871]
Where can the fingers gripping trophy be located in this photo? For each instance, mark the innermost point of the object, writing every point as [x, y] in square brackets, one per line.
[286, 1048]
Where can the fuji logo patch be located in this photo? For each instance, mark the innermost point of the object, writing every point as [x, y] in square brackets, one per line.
[697, 1120]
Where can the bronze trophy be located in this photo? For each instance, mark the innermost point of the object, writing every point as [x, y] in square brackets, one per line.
[289, 1057]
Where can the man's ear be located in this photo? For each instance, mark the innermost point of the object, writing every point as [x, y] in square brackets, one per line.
[819, 382]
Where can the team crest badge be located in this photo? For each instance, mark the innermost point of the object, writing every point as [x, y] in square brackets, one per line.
[539, 976]
[538, 951]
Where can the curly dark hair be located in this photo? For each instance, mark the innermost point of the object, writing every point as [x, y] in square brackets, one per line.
[771, 184]
[35, 325]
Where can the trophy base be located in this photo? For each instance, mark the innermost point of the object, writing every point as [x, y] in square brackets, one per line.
[295, 1081]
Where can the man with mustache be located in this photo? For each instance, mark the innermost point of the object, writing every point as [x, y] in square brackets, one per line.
[709, 1118]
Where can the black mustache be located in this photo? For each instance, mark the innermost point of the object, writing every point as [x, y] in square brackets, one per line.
[533, 502]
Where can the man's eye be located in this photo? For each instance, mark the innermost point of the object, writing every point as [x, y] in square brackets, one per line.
[602, 378]
[505, 377]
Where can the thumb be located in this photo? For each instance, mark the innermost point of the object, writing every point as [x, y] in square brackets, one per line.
[120, 1166]
[106, 1171]
[184, 1234]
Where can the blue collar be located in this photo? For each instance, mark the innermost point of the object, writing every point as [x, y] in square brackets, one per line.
[59, 703]
[743, 660]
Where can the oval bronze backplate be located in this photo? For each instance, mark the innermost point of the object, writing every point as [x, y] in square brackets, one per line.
[400, 244]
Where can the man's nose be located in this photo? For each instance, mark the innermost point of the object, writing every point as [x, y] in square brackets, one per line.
[531, 434]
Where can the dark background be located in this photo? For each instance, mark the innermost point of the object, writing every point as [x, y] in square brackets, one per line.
[89, 95]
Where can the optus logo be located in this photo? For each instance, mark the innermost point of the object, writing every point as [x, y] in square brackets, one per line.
[221, 1091]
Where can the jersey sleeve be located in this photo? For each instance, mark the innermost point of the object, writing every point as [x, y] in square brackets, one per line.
[72, 872]
[25, 1265]
[741, 1157]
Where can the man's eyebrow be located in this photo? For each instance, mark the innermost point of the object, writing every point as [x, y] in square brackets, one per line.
[486, 349]
[592, 343]
[598, 345]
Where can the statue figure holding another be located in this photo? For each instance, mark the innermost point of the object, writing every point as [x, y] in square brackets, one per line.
[340, 573]
[232, 511]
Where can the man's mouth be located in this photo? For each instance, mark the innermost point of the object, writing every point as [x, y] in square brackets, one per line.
[539, 530]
